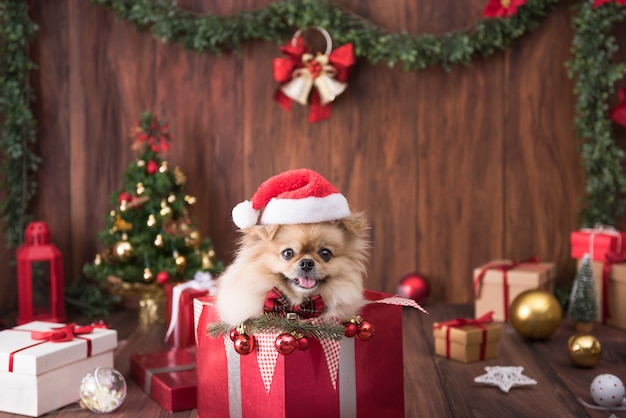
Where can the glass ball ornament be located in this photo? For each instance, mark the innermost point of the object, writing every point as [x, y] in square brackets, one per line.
[584, 350]
[535, 314]
[414, 286]
[608, 390]
[102, 390]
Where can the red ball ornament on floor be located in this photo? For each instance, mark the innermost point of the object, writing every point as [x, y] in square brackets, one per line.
[414, 286]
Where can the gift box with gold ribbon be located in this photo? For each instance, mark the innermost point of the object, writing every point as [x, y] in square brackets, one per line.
[499, 282]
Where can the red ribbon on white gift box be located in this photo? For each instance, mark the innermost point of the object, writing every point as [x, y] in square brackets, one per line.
[55, 335]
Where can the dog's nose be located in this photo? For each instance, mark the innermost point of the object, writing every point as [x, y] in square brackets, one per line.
[306, 264]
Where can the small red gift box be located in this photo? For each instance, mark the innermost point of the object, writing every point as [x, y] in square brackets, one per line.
[349, 378]
[169, 377]
[597, 242]
[179, 310]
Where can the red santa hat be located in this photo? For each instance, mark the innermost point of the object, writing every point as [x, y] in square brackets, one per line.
[294, 197]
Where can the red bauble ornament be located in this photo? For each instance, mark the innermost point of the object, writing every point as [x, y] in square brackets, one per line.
[162, 277]
[151, 167]
[365, 332]
[285, 343]
[124, 197]
[303, 344]
[244, 344]
[351, 330]
[233, 335]
[414, 286]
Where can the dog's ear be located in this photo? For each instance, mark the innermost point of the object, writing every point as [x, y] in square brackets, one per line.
[355, 223]
[264, 232]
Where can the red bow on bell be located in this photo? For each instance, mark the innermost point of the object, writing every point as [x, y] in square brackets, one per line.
[276, 301]
[301, 74]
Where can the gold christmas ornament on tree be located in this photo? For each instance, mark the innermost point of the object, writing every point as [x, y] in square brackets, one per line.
[122, 250]
[207, 262]
[158, 241]
[584, 350]
[535, 314]
[151, 220]
[193, 239]
[180, 261]
[179, 176]
[147, 275]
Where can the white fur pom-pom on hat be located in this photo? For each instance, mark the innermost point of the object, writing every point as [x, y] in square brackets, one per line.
[293, 197]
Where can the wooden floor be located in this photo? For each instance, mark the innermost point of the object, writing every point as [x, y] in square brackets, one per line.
[434, 386]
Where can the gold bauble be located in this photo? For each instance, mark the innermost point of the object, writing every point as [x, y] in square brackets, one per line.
[584, 350]
[535, 314]
[122, 251]
[147, 275]
[193, 239]
[181, 262]
[207, 263]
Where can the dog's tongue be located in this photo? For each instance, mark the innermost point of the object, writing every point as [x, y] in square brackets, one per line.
[306, 282]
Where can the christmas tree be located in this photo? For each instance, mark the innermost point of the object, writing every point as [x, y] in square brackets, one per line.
[582, 303]
[150, 238]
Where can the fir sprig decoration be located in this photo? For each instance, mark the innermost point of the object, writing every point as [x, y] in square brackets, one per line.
[271, 322]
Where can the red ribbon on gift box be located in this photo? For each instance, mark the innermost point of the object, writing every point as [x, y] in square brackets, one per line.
[504, 268]
[56, 335]
[461, 322]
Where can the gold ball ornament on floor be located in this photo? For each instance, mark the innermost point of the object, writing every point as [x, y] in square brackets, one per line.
[535, 314]
[584, 350]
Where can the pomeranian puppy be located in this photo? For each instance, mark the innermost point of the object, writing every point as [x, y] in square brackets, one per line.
[301, 260]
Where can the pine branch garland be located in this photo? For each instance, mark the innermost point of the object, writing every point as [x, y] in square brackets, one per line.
[270, 322]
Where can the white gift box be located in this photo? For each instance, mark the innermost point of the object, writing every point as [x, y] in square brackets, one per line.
[38, 375]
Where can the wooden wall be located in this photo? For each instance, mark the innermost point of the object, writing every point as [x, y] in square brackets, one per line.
[452, 169]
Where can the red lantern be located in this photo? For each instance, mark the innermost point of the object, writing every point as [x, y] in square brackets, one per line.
[40, 277]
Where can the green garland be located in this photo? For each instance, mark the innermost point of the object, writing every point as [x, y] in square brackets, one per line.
[595, 75]
[276, 22]
[591, 67]
[17, 132]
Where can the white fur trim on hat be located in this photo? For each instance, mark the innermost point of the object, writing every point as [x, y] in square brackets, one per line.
[244, 215]
[306, 210]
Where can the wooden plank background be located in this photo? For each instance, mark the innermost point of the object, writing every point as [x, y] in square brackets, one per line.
[452, 169]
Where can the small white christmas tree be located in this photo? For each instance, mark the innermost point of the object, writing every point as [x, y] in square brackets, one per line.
[582, 302]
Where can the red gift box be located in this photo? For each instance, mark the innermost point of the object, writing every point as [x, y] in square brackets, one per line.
[179, 310]
[368, 381]
[168, 377]
[598, 242]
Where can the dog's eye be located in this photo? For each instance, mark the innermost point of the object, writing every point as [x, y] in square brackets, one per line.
[287, 254]
[326, 254]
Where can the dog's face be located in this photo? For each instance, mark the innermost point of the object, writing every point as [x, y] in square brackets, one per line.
[306, 259]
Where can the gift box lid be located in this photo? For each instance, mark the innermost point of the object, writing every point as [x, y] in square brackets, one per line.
[535, 274]
[603, 239]
[468, 334]
[20, 353]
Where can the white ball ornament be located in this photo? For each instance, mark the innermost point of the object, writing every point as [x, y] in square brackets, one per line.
[608, 390]
[103, 390]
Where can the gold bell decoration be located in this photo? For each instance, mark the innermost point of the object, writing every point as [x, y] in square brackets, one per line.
[321, 76]
[123, 250]
[147, 275]
[584, 350]
[535, 314]
[180, 261]
[194, 239]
